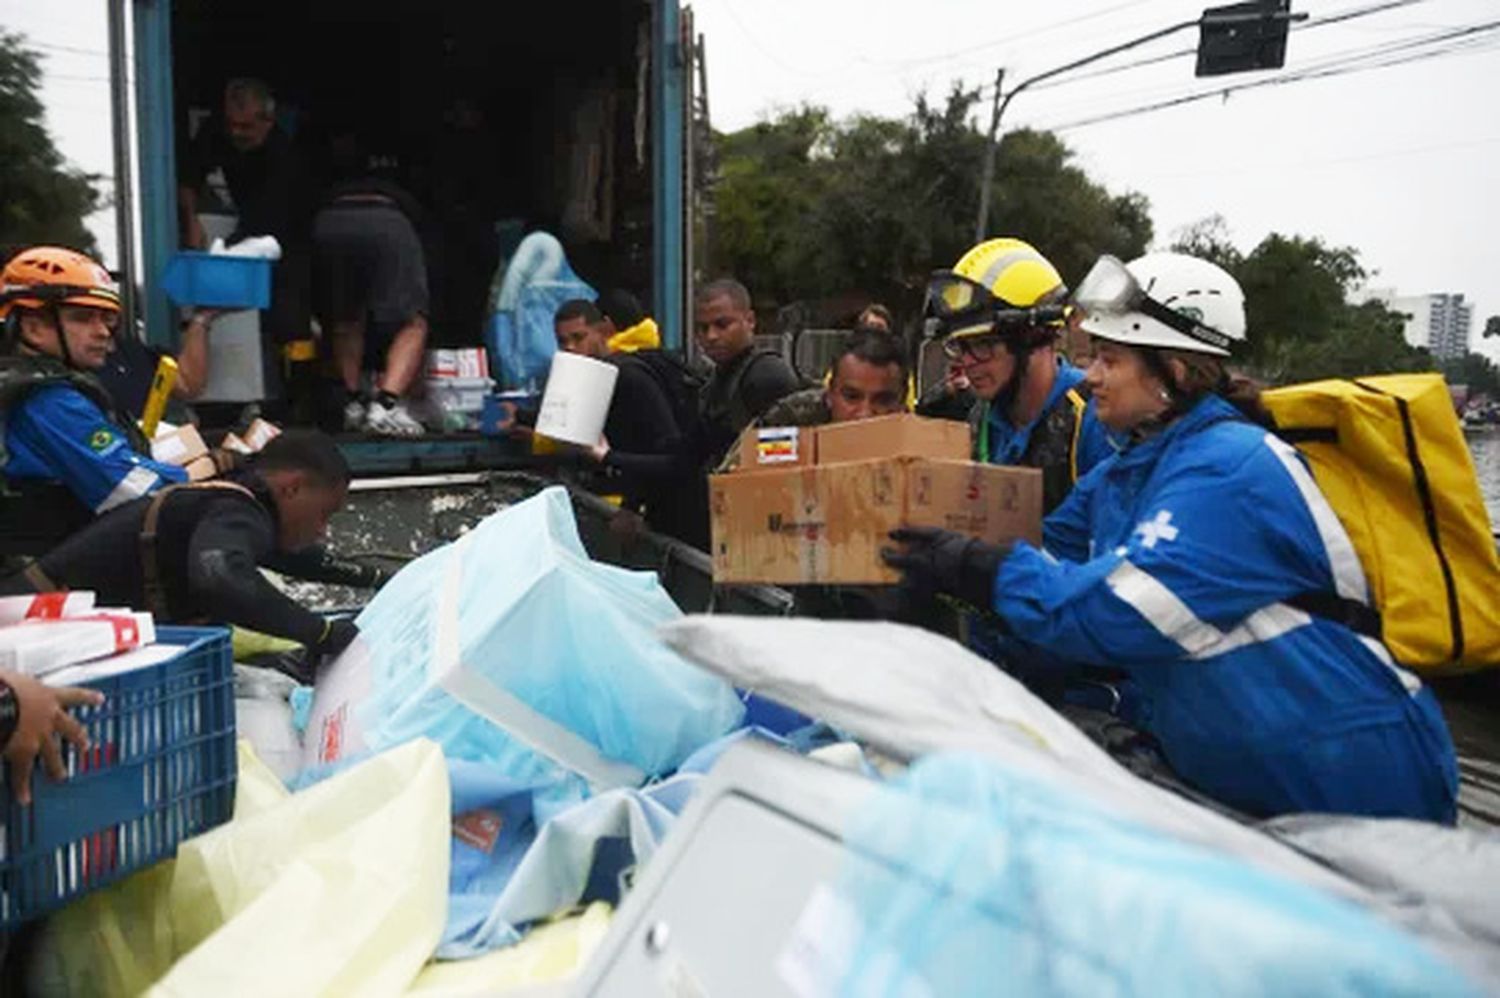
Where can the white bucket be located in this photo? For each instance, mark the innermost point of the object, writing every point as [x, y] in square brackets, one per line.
[579, 390]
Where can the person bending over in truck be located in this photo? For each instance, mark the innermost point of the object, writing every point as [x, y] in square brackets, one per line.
[65, 452]
[32, 718]
[746, 380]
[1204, 562]
[192, 554]
[370, 283]
[649, 447]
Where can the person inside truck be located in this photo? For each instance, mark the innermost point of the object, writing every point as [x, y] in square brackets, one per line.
[33, 716]
[66, 448]
[999, 313]
[370, 295]
[193, 554]
[648, 451]
[243, 163]
[747, 380]
[1205, 563]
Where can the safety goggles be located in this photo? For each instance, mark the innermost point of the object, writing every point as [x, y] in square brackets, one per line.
[982, 348]
[959, 307]
[1111, 289]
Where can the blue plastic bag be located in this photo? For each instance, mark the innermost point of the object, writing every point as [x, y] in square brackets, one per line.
[519, 331]
[512, 648]
[989, 879]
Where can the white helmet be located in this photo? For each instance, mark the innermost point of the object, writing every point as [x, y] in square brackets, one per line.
[1165, 300]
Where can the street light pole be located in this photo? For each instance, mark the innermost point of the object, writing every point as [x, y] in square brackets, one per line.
[1218, 18]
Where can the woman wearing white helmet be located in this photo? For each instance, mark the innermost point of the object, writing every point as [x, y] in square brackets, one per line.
[1204, 562]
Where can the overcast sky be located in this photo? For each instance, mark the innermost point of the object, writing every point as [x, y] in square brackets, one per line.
[1397, 162]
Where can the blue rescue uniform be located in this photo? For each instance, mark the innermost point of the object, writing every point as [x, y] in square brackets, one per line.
[1002, 443]
[1173, 562]
[56, 434]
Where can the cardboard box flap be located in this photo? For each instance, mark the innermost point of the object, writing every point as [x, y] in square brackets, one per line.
[902, 435]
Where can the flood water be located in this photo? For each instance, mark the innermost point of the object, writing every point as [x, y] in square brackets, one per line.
[1473, 703]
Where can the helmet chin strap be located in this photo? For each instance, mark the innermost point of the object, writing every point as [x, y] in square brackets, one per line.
[62, 335]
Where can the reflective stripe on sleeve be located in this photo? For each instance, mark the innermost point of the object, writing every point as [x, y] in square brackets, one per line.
[1348, 574]
[1176, 622]
[137, 483]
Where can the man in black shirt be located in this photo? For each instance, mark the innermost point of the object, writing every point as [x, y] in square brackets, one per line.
[267, 180]
[192, 553]
[746, 381]
[647, 450]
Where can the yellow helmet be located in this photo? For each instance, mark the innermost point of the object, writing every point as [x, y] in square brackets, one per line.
[998, 274]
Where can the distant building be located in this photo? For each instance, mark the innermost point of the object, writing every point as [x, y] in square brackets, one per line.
[1439, 323]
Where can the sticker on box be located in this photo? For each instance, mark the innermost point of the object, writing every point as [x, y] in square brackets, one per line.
[776, 445]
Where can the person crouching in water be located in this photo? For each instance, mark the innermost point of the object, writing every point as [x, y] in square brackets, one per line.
[1205, 563]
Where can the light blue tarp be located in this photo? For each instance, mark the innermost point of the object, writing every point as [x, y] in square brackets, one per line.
[519, 332]
[998, 881]
[511, 648]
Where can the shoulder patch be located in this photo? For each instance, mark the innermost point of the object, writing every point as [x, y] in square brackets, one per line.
[100, 439]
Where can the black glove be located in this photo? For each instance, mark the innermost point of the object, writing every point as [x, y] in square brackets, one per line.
[944, 562]
[337, 634]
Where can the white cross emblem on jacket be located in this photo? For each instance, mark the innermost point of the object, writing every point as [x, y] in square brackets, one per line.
[1159, 529]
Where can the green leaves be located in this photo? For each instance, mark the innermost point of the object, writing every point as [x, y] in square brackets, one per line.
[42, 199]
[1302, 323]
[808, 207]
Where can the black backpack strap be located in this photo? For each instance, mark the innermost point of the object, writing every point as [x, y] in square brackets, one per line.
[1358, 617]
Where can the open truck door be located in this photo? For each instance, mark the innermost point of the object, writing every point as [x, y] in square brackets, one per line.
[572, 121]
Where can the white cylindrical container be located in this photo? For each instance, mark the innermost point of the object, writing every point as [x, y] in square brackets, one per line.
[579, 390]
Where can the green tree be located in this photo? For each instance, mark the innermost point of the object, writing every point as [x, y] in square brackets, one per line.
[42, 198]
[1477, 371]
[807, 206]
[1302, 324]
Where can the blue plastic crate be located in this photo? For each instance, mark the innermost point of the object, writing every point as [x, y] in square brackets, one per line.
[160, 770]
[217, 281]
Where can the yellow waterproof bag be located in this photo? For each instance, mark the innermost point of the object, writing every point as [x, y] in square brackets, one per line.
[1390, 456]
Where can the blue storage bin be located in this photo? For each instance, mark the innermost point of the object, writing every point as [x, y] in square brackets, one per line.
[160, 770]
[217, 281]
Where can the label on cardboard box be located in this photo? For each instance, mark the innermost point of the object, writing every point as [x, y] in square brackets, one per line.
[762, 447]
[828, 523]
[776, 445]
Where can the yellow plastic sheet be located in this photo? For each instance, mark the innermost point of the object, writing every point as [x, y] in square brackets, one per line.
[340, 889]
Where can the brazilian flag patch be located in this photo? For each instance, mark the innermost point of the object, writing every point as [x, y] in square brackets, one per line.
[101, 439]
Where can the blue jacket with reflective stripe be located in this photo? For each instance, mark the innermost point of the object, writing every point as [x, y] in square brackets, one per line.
[56, 434]
[1171, 561]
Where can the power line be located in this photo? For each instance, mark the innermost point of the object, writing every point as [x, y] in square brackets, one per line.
[993, 43]
[1468, 40]
[1338, 17]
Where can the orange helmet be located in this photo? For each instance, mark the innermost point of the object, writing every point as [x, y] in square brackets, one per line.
[51, 275]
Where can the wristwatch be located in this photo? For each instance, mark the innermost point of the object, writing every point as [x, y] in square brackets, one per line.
[10, 713]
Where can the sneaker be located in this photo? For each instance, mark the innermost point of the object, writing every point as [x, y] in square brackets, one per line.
[392, 421]
[354, 416]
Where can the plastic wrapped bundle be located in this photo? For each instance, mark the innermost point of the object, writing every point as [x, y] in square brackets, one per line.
[511, 647]
[993, 880]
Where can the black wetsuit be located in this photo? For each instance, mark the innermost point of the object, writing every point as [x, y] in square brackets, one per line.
[210, 543]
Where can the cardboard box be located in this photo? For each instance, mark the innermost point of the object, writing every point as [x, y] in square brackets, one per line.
[179, 445]
[259, 433]
[776, 447]
[469, 363]
[827, 523]
[902, 435]
[201, 468]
